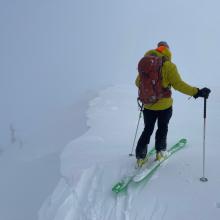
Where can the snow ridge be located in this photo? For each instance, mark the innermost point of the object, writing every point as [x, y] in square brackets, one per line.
[92, 163]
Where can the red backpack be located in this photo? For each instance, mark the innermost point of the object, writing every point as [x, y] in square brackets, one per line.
[150, 87]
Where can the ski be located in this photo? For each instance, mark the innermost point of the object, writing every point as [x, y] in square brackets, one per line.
[146, 171]
[123, 183]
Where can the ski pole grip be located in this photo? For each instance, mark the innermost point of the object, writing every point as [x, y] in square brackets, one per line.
[205, 101]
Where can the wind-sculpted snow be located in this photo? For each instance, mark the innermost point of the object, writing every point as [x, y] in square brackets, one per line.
[92, 163]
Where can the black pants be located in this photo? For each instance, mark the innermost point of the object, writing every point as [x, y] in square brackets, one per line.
[150, 117]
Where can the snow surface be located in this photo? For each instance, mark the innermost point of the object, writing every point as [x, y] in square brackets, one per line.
[92, 163]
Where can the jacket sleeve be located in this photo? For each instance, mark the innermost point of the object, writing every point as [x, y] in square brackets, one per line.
[177, 83]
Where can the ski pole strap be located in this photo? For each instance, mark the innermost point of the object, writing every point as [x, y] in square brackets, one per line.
[140, 105]
[205, 104]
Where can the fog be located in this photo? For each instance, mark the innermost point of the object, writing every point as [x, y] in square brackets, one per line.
[56, 55]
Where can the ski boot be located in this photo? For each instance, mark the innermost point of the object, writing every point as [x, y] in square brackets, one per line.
[141, 161]
[141, 155]
[161, 155]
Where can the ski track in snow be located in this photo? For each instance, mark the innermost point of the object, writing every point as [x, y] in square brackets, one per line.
[92, 202]
[88, 204]
[158, 211]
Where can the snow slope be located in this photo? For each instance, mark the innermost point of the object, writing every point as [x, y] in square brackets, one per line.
[92, 163]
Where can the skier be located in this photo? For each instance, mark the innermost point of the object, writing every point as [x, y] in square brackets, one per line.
[161, 110]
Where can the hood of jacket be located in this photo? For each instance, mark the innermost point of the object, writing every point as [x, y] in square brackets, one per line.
[161, 52]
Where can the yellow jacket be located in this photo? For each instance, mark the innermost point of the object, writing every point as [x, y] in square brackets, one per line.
[170, 78]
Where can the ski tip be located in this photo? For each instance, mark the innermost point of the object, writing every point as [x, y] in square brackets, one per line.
[183, 140]
[115, 190]
[118, 187]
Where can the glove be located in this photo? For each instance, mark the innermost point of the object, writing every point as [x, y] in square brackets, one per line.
[204, 93]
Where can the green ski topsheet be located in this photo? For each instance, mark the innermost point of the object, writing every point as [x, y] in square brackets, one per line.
[145, 172]
[122, 184]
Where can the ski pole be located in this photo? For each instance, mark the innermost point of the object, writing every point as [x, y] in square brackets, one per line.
[135, 136]
[203, 178]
